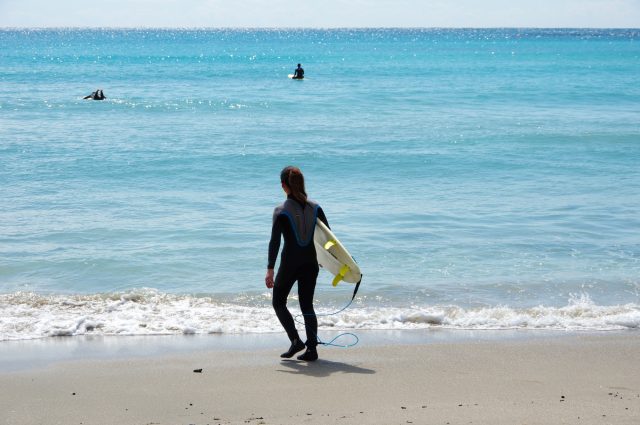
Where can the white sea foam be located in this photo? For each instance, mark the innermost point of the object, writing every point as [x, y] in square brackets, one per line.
[26, 315]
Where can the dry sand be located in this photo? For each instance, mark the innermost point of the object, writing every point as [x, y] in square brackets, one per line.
[574, 379]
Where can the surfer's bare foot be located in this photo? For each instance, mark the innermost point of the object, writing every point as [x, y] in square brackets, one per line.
[296, 346]
[311, 355]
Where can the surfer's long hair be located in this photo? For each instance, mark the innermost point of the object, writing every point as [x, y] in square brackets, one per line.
[293, 178]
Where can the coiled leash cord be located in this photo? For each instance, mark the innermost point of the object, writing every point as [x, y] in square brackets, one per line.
[331, 343]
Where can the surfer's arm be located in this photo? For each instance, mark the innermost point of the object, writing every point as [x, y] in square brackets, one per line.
[274, 243]
[323, 218]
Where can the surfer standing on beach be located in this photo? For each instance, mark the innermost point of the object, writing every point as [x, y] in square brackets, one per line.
[295, 221]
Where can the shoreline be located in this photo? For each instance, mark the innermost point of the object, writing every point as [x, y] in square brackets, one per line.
[40, 353]
[582, 378]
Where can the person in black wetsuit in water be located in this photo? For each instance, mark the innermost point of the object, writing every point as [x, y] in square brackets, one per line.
[96, 95]
[295, 220]
[298, 74]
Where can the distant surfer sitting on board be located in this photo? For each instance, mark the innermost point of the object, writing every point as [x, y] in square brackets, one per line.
[96, 95]
[298, 74]
[295, 220]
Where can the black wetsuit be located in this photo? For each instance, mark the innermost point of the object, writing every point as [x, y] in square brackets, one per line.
[96, 95]
[298, 74]
[296, 223]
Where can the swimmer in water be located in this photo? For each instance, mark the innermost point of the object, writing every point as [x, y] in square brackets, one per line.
[298, 74]
[96, 95]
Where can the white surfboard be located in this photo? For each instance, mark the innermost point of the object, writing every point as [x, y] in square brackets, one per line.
[333, 257]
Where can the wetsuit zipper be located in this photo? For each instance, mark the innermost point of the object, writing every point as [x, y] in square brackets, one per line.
[303, 225]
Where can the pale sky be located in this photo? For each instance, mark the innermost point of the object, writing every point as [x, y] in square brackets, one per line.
[320, 13]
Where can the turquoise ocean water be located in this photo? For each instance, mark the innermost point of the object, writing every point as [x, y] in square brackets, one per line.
[483, 179]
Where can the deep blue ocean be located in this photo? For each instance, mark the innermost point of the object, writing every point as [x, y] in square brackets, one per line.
[483, 179]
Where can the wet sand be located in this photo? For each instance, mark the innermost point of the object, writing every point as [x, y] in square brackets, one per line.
[573, 379]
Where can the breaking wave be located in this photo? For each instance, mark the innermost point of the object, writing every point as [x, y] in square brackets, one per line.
[25, 315]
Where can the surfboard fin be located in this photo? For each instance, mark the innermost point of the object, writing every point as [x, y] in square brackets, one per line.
[343, 271]
[329, 244]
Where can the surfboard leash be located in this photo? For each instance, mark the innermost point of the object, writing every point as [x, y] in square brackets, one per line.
[331, 343]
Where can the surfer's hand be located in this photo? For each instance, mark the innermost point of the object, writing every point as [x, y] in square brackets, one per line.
[268, 279]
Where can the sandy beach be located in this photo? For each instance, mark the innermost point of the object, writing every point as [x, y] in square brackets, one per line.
[573, 379]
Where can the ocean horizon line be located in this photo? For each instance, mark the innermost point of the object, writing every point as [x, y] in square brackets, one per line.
[319, 28]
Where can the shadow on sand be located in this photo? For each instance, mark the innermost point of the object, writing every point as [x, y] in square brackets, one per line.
[322, 368]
